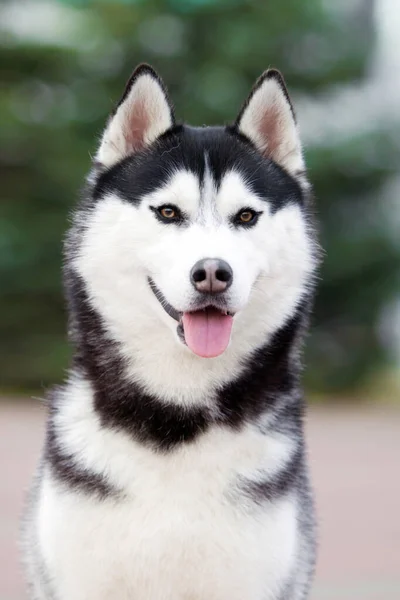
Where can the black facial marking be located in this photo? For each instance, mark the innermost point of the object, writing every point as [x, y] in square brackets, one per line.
[170, 310]
[181, 333]
[184, 147]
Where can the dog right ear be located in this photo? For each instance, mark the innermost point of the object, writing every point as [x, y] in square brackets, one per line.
[142, 115]
[267, 120]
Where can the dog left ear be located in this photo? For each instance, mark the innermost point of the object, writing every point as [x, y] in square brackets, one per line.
[267, 120]
[142, 115]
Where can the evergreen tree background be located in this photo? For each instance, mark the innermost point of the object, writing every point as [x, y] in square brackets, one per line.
[59, 90]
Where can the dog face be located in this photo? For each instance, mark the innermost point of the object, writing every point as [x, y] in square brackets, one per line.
[202, 231]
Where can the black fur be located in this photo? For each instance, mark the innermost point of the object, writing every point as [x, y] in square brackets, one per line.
[269, 381]
[220, 148]
[273, 487]
[67, 471]
[162, 300]
[120, 403]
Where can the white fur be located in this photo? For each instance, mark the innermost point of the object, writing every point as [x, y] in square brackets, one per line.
[175, 532]
[124, 244]
[128, 464]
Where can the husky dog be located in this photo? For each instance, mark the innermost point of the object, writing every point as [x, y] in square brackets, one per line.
[174, 465]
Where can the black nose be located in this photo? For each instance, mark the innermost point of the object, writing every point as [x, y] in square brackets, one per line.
[211, 276]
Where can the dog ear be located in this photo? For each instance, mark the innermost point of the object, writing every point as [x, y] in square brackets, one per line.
[141, 116]
[267, 120]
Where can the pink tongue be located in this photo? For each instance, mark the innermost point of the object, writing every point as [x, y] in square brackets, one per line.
[207, 332]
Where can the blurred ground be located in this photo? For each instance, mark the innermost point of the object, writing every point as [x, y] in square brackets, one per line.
[355, 460]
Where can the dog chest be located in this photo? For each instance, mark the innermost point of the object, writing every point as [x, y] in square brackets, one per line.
[174, 547]
[178, 527]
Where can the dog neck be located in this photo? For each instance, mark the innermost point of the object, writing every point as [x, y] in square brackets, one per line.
[266, 381]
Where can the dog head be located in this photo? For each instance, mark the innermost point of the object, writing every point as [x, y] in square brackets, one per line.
[196, 235]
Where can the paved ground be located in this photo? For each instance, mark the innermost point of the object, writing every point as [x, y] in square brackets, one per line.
[355, 455]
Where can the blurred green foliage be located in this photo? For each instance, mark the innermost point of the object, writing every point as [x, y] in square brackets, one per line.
[59, 86]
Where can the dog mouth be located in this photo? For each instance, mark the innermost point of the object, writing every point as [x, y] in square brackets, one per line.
[206, 329]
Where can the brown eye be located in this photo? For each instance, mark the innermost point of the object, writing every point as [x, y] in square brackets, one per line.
[167, 212]
[246, 216]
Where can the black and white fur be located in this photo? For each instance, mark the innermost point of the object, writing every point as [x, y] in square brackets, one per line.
[167, 476]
